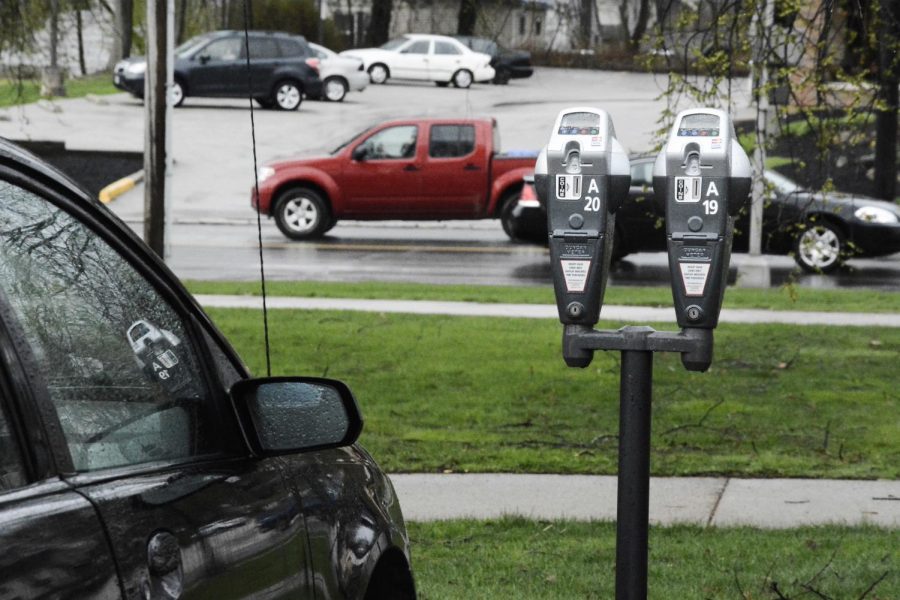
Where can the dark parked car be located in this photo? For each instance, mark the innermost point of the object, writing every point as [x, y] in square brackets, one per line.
[820, 230]
[508, 64]
[283, 69]
[138, 459]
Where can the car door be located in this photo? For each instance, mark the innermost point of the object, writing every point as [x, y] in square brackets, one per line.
[384, 174]
[132, 391]
[265, 57]
[216, 67]
[455, 174]
[444, 60]
[52, 538]
[411, 61]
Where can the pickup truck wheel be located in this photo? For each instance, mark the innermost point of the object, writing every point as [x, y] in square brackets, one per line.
[507, 204]
[462, 78]
[302, 214]
[378, 73]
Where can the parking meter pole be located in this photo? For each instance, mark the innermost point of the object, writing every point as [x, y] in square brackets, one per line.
[633, 509]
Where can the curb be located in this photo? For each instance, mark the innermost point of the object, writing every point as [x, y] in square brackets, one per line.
[119, 187]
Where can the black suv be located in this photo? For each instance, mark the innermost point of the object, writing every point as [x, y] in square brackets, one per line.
[283, 69]
[138, 459]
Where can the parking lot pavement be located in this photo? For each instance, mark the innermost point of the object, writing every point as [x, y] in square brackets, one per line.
[212, 143]
[704, 501]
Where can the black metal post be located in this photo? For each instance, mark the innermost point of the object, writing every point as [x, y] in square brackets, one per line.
[634, 475]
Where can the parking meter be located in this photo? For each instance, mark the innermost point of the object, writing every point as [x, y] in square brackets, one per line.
[583, 175]
[703, 177]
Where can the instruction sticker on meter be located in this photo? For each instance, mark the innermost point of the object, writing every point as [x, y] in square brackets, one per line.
[687, 189]
[576, 273]
[568, 187]
[693, 276]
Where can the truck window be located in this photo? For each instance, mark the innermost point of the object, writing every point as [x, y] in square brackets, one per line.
[451, 141]
[392, 143]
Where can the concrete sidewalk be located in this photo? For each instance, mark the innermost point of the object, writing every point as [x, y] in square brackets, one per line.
[704, 501]
[629, 314]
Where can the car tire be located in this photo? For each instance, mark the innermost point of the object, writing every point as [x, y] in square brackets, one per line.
[302, 214]
[502, 76]
[177, 93]
[507, 204]
[287, 95]
[334, 89]
[820, 247]
[379, 73]
[462, 78]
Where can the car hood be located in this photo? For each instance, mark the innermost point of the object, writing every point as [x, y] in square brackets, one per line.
[845, 200]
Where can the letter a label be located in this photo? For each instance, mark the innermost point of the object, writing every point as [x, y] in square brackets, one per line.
[593, 188]
[712, 190]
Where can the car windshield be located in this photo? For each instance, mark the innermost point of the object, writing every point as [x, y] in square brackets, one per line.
[347, 141]
[188, 47]
[394, 43]
[782, 184]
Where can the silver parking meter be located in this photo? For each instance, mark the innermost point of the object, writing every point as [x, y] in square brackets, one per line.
[703, 176]
[583, 175]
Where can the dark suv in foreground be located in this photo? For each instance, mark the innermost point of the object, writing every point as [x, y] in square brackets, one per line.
[283, 69]
[138, 459]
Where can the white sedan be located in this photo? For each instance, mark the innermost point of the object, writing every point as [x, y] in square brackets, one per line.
[340, 74]
[425, 57]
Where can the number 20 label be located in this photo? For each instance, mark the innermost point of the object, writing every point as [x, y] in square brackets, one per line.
[592, 204]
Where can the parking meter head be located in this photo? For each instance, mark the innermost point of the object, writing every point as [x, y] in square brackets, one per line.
[702, 177]
[584, 174]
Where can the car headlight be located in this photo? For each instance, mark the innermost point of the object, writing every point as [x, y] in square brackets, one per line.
[137, 68]
[264, 173]
[875, 214]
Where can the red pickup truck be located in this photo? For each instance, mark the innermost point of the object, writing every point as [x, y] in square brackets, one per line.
[413, 169]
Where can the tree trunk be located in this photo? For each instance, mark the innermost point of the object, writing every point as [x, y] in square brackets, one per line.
[587, 13]
[640, 25]
[886, 115]
[380, 27]
[126, 25]
[468, 16]
[79, 29]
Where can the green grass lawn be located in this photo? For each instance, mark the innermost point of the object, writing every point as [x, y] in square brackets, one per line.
[516, 558]
[493, 395]
[785, 298]
[23, 92]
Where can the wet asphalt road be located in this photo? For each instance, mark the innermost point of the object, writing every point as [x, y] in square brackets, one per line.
[445, 253]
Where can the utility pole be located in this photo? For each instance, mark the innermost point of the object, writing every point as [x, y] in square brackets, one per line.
[158, 131]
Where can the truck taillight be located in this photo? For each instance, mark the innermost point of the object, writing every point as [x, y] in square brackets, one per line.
[313, 63]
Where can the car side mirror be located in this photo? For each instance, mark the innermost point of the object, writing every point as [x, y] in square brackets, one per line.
[360, 153]
[204, 58]
[286, 415]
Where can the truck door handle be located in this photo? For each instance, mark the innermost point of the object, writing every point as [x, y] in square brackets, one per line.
[471, 167]
[410, 168]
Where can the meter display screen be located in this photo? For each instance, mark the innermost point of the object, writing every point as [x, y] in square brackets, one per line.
[580, 123]
[699, 125]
